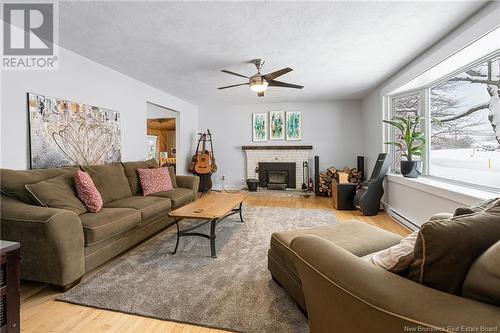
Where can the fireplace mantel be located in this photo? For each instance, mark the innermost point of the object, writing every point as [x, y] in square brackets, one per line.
[282, 147]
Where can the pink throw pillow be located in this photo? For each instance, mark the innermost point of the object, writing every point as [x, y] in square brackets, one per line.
[155, 180]
[87, 192]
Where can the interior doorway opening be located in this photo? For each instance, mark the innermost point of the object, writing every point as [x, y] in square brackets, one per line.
[162, 124]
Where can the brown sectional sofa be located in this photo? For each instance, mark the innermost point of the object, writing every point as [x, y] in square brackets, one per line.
[323, 271]
[59, 246]
[345, 294]
[356, 237]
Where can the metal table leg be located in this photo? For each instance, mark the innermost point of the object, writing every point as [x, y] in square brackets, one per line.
[236, 210]
[178, 236]
[187, 232]
[240, 210]
[213, 223]
[211, 237]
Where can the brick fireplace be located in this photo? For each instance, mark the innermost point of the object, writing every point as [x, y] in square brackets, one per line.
[277, 175]
[277, 159]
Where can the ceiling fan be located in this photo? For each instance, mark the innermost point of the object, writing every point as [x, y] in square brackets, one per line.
[260, 82]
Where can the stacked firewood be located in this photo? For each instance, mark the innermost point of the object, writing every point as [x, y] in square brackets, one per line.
[326, 178]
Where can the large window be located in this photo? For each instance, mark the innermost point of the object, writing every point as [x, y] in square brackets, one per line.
[465, 112]
[408, 105]
[463, 119]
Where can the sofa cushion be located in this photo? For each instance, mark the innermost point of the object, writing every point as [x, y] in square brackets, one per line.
[171, 171]
[482, 282]
[130, 169]
[150, 207]
[110, 180]
[58, 192]
[179, 196]
[87, 192]
[155, 180]
[397, 258]
[480, 206]
[12, 182]
[446, 249]
[107, 223]
[356, 237]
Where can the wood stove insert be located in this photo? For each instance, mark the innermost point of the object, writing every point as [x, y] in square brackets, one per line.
[277, 175]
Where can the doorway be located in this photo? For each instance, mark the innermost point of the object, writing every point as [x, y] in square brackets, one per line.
[162, 135]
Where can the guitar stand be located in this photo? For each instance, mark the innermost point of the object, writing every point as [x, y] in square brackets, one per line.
[205, 178]
[208, 138]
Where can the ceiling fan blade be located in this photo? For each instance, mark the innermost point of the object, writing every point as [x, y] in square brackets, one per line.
[284, 84]
[234, 85]
[233, 73]
[260, 94]
[273, 75]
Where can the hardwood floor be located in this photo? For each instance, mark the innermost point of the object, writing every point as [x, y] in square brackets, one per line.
[40, 313]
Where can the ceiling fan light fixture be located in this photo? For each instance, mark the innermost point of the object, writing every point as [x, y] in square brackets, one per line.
[258, 84]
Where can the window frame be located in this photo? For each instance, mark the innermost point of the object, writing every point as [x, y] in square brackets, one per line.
[425, 100]
[390, 136]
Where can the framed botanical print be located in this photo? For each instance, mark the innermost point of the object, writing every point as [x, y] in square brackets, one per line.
[259, 127]
[276, 125]
[293, 126]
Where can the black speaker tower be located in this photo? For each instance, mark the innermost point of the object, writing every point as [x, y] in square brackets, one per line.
[361, 167]
[316, 175]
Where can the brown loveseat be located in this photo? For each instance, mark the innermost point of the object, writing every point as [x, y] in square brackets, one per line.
[59, 246]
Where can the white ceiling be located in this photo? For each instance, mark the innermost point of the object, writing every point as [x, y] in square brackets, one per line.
[338, 50]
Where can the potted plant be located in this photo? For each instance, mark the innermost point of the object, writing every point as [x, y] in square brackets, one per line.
[411, 146]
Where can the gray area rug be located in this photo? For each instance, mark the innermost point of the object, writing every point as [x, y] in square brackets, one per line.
[233, 292]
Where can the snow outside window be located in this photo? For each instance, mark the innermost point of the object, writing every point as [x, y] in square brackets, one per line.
[465, 126]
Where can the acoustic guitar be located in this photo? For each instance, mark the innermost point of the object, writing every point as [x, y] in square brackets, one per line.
[202, 160]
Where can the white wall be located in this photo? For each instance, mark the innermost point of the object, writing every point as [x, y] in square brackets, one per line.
[417, 204]
[82, 80]
[417, 200]
[154, 111]
[332, 128]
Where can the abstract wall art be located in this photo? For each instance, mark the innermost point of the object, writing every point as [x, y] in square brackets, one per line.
[276, 125]
[293, 125]
[259, 127]
[67, 133]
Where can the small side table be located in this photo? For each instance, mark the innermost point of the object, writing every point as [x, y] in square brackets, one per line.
[10, 288]
[343, 195]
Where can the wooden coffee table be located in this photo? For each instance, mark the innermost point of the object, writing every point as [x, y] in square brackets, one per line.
[211, 208]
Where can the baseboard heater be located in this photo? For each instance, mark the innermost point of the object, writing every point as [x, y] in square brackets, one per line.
[400, 218]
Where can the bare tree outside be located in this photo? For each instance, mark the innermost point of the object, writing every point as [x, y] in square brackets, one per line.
[465, 131]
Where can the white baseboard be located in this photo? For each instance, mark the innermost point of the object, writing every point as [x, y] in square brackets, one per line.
[228, 186]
